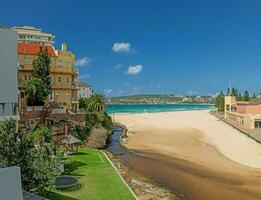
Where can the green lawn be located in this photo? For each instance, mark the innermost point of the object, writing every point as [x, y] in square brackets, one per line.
[98, 179]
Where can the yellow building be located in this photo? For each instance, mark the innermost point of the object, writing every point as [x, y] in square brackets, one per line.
[245, 114]
[63, 72]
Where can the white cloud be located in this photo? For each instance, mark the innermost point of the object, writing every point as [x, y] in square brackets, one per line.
[84, 76]
[135, 69]
[121, 47]
[82, 61]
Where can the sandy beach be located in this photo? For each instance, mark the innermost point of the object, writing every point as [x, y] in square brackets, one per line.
[194, 153]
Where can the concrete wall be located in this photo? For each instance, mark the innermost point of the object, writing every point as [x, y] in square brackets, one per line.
[229, 101]
[10, 184]
[8, 71]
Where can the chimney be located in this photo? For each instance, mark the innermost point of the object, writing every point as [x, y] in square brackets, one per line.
[64, 46]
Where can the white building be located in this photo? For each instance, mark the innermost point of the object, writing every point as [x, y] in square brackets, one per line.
[32, 35]
[84, 90]
[11, 186]
[8, 74]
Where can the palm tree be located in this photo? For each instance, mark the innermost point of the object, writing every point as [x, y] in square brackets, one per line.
[96, 103]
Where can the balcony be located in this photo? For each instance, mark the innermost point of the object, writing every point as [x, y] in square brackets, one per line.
[63, 70]
[62, 85]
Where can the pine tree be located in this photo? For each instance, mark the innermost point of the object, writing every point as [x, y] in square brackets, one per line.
[39, 86]
[228, 91]
[246, 96]
[239, 97]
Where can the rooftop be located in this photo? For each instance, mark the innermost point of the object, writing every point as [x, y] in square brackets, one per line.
[30, 196]
[69, 139]
[33, 49]
[83, 84]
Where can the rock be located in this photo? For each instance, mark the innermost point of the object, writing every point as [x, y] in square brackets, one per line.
[97, 138]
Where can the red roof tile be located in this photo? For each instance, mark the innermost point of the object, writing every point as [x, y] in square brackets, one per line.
[33, 49]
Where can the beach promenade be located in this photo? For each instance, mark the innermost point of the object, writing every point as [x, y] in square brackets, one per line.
[195, 153]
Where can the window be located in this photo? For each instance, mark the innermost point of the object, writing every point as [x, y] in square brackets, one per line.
[257, 123]
[59, 79]
[25, 77]
[22, 36]
[67, 79]
[67, 94]
[228, 107]
[22, 95]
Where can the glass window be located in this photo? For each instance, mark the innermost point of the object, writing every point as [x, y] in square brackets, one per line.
[59, 79]
[257, 124]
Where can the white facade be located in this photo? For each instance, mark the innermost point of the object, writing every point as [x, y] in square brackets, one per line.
[84, 90]
[30, 34]
[8, 74]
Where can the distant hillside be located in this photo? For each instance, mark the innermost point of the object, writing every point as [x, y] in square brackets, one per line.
[159, 99]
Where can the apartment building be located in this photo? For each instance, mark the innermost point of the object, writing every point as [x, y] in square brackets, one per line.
[8, 75]
[245, 114]
[84, 90]
[63, 72]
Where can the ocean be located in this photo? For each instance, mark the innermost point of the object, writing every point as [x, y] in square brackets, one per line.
[156, 108]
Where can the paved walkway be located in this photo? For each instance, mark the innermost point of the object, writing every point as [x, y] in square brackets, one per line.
[254, 134]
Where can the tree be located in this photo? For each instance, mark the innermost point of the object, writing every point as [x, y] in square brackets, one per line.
[234, 92]
[96, 103]
[39, 87]
[220, 102]
[239, 97]
[42, 66]
[83, 103]
[38, 169]
[80, 132]
[42, 135]
[36, 92]
[254, 96]
[228, 92]
[246, 96]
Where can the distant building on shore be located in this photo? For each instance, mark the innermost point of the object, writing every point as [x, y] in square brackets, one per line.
[245, 114]
[199, 99]
[84, 90]
[63, 71]
[8, 74]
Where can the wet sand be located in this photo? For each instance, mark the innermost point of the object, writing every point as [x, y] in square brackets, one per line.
[195, 158]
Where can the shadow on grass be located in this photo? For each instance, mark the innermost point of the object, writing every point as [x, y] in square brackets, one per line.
[73, 166]
[71, 189]
[57, 196]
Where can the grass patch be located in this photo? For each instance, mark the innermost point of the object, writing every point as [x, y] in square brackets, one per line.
[97, 178]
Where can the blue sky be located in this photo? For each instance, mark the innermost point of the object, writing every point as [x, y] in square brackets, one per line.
[148, 46]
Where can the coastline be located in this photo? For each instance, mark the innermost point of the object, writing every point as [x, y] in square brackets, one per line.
[155, 108]
[184, 149]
